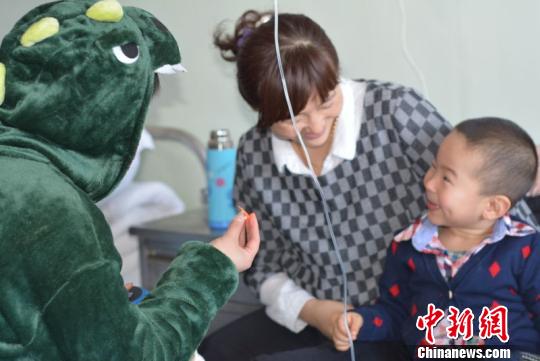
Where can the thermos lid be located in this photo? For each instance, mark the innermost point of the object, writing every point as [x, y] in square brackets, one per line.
[220, 138]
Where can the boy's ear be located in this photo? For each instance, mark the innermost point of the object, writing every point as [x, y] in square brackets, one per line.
[497, 206]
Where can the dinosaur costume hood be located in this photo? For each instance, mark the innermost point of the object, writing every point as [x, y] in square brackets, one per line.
[76, 78]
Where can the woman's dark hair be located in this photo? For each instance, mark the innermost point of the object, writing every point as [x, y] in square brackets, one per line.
[310, 62]
[510, 159]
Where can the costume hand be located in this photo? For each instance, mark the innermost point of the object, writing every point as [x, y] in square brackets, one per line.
[339, 333]
[535, 190]
[241, 241]
[320, 314]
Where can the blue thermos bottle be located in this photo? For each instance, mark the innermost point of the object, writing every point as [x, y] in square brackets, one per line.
[220, 165]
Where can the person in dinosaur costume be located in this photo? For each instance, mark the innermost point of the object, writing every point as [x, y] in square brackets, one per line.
[76, 78]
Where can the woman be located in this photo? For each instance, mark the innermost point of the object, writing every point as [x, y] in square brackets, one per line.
[370, 144]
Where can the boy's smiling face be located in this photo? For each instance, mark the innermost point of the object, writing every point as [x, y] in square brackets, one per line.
[453, 189]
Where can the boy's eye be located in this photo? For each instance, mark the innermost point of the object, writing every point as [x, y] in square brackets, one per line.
[446, 179]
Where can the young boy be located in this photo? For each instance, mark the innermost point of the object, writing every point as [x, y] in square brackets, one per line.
[465, 253]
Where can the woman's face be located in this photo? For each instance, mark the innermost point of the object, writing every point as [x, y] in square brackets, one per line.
[314, 122]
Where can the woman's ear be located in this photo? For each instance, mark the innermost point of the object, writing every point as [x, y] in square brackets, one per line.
[497, 206]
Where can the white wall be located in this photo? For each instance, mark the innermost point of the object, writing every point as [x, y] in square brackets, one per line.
[479, 57]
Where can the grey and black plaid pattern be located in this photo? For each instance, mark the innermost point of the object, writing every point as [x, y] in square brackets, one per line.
[371, 197]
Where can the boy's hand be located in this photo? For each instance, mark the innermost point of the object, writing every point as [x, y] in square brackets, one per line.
[339, 333]
[241, 241]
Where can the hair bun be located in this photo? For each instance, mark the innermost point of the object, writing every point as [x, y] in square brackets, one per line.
[244, 27]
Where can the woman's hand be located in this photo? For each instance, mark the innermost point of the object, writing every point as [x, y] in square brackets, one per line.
[339, 332]
[241, 241]
[321, 314]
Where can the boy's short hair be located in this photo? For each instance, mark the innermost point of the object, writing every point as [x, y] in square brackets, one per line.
[510, 158]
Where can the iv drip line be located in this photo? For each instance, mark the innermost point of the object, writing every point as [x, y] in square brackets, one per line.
[406, 52]
[314, 177]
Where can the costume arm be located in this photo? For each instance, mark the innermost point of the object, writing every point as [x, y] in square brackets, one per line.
[383, 320]
[90, 317]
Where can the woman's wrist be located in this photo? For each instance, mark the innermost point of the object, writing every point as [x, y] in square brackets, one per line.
[319, 314]
[308, 314]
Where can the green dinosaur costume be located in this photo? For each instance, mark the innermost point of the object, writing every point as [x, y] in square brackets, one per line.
[76, 78]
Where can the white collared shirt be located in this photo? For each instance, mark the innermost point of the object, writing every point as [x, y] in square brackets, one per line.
[282, 297]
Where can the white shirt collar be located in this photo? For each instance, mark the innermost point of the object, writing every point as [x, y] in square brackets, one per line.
[343, 146]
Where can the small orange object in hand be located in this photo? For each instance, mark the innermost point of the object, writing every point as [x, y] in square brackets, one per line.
[247, 216]
[243, 211]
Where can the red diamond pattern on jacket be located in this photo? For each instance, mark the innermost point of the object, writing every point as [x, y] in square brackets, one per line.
[526, 251]
[414, 309]
[411, 264]
[513, 291]
[377, 321]
[494, 304]
[494, 269]
[394, 290]
[394, 247]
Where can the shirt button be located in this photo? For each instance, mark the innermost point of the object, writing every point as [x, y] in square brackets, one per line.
[450, 294]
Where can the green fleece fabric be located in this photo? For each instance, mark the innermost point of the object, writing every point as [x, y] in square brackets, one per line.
[72, 112]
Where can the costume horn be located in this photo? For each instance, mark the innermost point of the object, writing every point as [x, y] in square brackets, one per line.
[39, 31]
[2, 82]
[109, 11]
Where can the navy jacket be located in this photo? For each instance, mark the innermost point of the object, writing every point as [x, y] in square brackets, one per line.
[505, 273]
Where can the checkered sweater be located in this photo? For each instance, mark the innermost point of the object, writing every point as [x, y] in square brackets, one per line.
[370, 197]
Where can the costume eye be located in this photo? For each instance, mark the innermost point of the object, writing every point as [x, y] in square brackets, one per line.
[127, 53]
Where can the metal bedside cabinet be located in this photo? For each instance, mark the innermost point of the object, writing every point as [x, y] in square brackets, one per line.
[159, 242]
